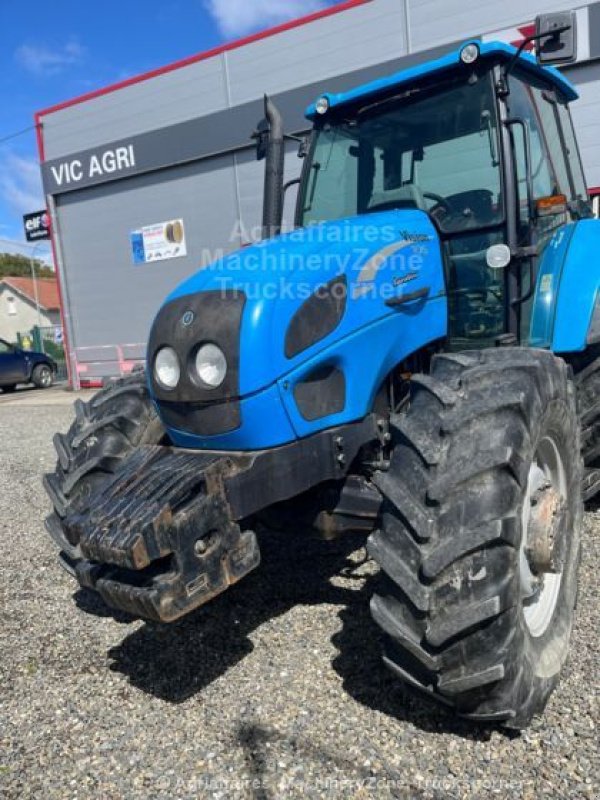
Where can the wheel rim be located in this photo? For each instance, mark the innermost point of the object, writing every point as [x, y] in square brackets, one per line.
[543, 511]
[45, 377]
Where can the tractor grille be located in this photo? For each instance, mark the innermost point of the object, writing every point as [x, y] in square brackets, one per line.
[184, 324]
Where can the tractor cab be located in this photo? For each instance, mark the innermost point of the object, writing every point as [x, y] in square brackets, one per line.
[482, 142]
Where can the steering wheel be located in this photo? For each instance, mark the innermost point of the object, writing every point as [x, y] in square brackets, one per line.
[439, 201]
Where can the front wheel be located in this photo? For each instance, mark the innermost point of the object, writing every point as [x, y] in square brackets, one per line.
[106, 430]
[42, 376]
[479, 538]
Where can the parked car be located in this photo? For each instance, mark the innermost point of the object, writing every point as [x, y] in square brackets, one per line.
[24, 366]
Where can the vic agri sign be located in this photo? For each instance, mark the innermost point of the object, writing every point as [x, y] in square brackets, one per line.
[92, 167]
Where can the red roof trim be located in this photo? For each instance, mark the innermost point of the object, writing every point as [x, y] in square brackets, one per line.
[184, 62]
[48, 298]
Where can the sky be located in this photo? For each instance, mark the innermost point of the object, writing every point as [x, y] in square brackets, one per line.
[50, 52]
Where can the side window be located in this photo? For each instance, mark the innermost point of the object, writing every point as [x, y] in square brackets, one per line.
[545, 183]
[572, 152]
[549, 130]
[460, 165]
[5, 347]
[332, 187]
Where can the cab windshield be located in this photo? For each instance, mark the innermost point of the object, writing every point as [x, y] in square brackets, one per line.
[435, 150]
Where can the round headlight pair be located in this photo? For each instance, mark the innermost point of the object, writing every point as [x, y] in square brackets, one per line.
[210, 366]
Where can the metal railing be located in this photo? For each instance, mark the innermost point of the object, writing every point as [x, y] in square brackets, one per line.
[48, 340]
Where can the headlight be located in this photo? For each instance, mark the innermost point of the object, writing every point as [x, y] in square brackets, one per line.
[211, 365]
[166, 368]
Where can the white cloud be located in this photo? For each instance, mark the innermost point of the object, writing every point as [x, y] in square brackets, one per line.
[20, 193]
[20, 183]
[238, 17]
[41, 60]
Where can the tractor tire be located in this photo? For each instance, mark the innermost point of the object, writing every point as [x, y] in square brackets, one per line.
[487, 453]
[587, 381]
[42, 376]
[106, 430]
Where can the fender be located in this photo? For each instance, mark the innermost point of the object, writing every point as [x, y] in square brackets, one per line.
[567, 288]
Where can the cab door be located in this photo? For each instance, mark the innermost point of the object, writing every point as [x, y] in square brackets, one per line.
[553, 194]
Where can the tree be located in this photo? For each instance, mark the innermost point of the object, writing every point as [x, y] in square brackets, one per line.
[14, 265]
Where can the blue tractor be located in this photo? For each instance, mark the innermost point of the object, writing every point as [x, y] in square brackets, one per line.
[417, 359]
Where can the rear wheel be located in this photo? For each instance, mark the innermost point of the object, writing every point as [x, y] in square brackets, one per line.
[42, 376]
[119, 418]
[479, 538]
[587, 380]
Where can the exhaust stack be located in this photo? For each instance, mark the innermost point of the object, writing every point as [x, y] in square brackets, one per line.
[271, 134]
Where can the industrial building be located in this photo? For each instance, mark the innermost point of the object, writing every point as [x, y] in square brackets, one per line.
[150, 179]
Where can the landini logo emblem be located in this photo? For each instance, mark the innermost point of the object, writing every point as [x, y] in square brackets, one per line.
[188, 318]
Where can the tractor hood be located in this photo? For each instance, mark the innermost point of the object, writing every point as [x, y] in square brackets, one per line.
[274, 304]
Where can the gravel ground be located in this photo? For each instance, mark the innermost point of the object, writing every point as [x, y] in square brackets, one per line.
[275, 690]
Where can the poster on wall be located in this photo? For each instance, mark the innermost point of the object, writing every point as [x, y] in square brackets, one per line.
[158, 242]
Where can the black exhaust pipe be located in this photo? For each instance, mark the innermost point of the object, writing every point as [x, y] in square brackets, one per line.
[273, 190]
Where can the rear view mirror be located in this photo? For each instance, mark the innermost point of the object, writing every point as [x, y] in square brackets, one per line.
[556, 36]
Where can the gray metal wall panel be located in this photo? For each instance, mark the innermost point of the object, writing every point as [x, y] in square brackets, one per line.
[594, 23]
[347, 41]
[433, 22]
[586, 118]
[223, 131]
[311, 52]
[328, 48]
[112, 301]
[195, 90]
